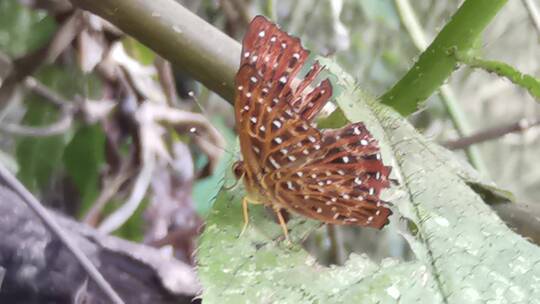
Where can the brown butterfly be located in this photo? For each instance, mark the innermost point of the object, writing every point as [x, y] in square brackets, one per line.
[334, 176]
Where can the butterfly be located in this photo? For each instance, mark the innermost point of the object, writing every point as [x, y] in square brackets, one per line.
[336, 175]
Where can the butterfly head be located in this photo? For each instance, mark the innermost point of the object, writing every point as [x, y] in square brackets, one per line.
[238, 169]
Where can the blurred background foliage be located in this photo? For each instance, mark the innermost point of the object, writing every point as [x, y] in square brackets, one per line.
[92, 168]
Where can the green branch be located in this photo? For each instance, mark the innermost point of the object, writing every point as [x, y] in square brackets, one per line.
[189, 42]
[435, 65]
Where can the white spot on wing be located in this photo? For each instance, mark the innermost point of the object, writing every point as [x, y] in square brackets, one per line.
[274, 162]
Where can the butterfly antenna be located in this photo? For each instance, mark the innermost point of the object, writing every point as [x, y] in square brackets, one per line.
[196, 133]
[196, 100]
[194, 130]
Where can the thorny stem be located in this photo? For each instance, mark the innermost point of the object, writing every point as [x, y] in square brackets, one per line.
[528, 82]
[434, 65]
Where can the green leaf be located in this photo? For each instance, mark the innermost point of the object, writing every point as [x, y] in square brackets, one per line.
[23, 29]
[464, 252]
[83, 159]
[39, 158]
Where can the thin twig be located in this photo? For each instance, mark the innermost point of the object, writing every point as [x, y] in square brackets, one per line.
[59, 127]
[532, 9]
[111, 188]
[38, 88]
[122, 214]
[413, 27]
[166, 80]
[179, 118]
[29, 63]
[49, 222]
[490, 134]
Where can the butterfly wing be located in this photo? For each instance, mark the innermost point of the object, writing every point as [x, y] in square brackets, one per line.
[342, 185]
[273, 108]
[335, 176]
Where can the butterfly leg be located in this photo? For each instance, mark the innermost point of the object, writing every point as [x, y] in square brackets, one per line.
[246, 214]
[283, 224]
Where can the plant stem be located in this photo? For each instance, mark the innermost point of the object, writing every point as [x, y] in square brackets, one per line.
[190, 43]
[456, 114]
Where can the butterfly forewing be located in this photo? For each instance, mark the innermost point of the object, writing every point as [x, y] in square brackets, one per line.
[335, 176]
